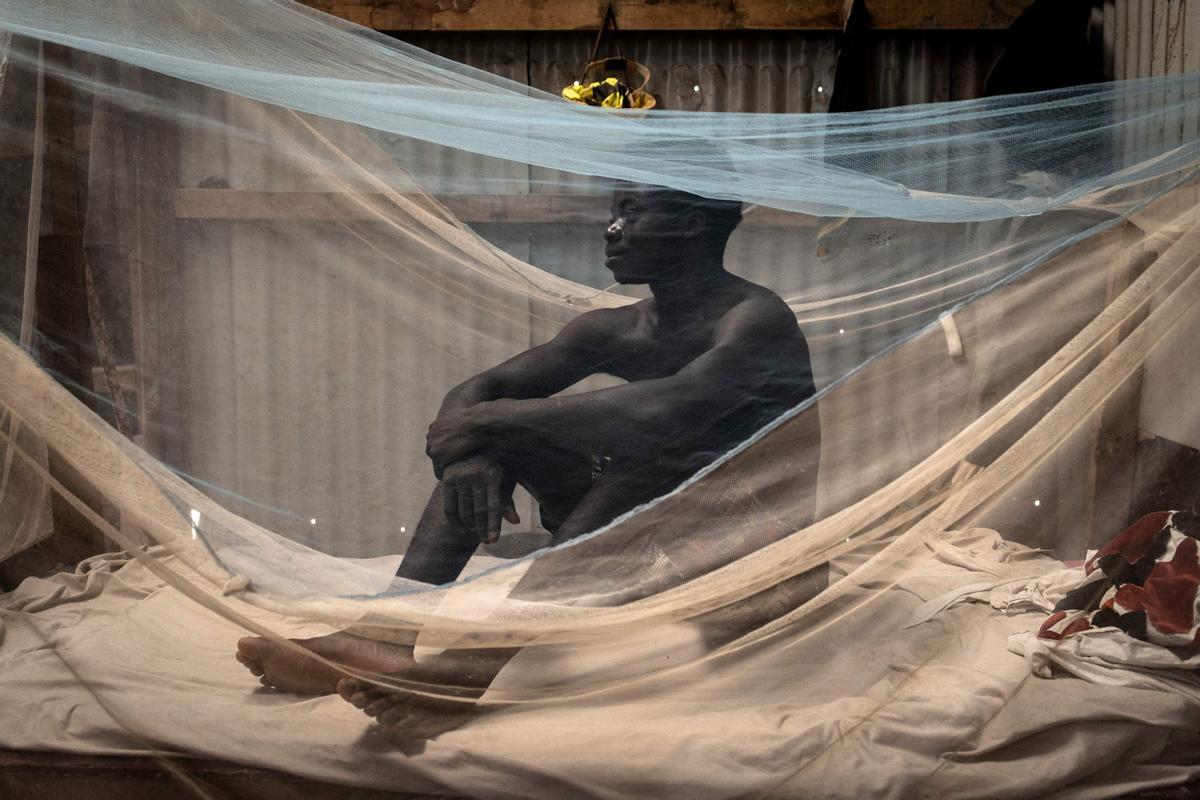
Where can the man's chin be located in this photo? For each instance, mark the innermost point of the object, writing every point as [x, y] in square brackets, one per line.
[627, 278]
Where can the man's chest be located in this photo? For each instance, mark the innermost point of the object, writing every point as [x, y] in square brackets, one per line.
[644, 356]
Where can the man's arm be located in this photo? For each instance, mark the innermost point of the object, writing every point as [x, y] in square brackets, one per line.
[475, 494]
[580, 349]
[631, 419]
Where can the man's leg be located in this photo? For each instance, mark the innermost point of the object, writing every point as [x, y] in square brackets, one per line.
[617, 490]
[437, 554]
[557, 479]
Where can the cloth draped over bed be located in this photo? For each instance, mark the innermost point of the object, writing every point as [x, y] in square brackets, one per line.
[248, 248]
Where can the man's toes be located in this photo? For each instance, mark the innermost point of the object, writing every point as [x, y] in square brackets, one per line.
[254, 666]
[366, 697]
[254, 648]
[377, 707]
[395, 715]
[347, 688]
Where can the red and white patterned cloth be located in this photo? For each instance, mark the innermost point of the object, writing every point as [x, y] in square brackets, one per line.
[1144, 582]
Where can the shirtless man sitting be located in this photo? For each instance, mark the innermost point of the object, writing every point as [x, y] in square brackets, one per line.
[708, 359]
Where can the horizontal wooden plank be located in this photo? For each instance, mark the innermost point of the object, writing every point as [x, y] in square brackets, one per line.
[241, 204]
[20, 144]
[235, 204]
[149, 777]
[127, 378]
[666, 15]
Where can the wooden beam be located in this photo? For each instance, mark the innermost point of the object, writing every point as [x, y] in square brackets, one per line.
[20, 144]
[668, 15]
[244, 204]
[844, 14]
[238, 204]
[25, 773]
[1110, 491]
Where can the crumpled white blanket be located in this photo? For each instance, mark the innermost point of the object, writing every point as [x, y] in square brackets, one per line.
[1112, 657]
[111, 661]
[1106, 656]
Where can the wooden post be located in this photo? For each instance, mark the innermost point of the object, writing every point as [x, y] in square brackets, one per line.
[1108, 499]
[60, 307]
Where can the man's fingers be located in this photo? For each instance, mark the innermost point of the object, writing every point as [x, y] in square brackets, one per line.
[450, 503]
[494, 509]
[510, 512]
[439, 466]
[466, 519]
[480, 508]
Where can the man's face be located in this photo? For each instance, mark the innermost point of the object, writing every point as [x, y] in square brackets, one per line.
[649, 228]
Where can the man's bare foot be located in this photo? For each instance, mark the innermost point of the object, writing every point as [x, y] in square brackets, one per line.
[405, 716]
[284, 669]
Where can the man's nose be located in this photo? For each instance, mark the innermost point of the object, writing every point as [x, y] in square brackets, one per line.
[615, 230]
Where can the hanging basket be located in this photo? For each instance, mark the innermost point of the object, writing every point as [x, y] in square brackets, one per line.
[612, 83]
[615, 82]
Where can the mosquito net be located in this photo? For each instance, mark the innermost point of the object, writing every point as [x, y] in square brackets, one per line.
[801, 421]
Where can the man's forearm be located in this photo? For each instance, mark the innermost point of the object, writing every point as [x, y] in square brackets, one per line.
[469, 393]
[438, 551]
[436, 556]
[619, 421]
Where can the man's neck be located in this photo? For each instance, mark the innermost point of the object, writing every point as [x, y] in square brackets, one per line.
[678, 297]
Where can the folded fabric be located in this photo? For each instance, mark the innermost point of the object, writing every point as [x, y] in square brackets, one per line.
[1144, 583]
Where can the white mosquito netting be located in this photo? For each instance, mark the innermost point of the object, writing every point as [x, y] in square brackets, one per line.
[249, 253]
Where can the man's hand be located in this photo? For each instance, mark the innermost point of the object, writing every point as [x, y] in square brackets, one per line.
[455, 435]
[477, 495]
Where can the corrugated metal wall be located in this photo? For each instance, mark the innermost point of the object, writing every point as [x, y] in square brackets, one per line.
[361, 490]
[315, 355]
[751, 71]
[1153, 37]
[764, 73]
[726, 72]
[743, 71]
[1150, 38]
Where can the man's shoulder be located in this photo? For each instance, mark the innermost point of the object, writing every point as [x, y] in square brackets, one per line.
[611, 318]
[599, 326]
[760, 313]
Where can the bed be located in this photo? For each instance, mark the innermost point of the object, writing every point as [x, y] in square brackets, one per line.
[130, 684]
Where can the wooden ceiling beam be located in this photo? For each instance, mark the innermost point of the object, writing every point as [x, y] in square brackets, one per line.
[669, 15]
[522, 209]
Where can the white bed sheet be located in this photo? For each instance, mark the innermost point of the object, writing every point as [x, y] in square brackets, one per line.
[110, 661]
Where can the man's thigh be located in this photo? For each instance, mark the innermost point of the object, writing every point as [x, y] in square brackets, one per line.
[577, 493]
[621, 487]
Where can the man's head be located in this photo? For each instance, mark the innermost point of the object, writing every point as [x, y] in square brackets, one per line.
[656, 232]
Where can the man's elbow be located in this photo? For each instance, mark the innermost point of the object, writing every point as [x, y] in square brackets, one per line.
[472, 391]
